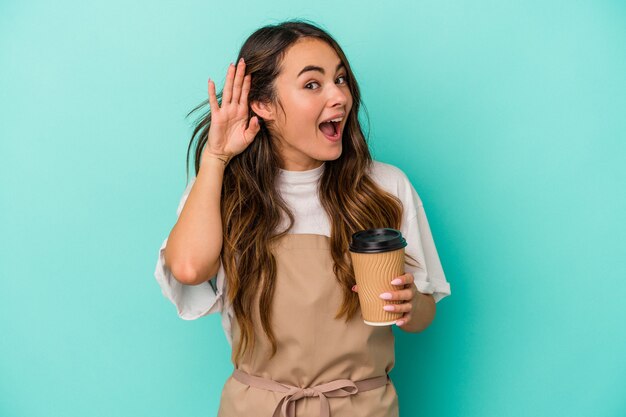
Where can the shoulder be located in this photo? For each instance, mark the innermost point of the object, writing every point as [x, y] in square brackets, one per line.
[395, 181]
[387, 171]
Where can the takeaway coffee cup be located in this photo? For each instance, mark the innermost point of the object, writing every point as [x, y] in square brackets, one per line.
[377, 258]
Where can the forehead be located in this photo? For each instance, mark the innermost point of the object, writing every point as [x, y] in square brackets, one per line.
[308, 51]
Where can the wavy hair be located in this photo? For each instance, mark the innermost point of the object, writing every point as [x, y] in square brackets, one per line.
[251, 205]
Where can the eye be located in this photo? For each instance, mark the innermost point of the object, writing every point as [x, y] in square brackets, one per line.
[345, 81]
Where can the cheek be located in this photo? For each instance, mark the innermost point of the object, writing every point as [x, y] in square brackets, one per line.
[304, 115]
[301, 110]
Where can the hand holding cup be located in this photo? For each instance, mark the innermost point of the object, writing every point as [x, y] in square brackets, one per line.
[407, 294]
[377, 259]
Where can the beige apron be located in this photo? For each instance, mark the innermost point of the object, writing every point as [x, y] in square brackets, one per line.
[322, 365]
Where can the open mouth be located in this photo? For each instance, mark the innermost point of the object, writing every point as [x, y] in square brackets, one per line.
[330, 129]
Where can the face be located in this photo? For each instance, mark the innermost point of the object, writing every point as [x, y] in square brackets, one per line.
[312, 88]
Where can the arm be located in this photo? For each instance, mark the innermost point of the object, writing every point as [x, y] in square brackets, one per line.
[422, 314]
[195, 243]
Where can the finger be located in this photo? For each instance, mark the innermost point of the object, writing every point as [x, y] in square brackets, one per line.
[407, 294]
[403, 279]
[398, 295]
[241, 70]
[355, 288]
[403, 320]
[399, 308]
[243, 100]
[252, 130]
[212, 97]
[228, 85]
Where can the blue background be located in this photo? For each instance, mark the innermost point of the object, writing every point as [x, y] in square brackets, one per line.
[508, 117]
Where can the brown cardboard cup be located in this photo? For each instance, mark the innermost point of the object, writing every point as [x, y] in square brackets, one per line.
[377, 258]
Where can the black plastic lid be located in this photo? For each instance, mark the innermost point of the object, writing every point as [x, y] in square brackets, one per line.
[377, 240]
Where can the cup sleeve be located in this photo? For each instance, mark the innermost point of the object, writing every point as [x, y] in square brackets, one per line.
[191, 301]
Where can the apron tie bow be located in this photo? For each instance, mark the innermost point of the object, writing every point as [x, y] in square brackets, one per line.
[287, 405]
[338, 388]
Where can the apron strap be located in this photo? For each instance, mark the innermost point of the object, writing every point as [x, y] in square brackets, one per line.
[287, 405]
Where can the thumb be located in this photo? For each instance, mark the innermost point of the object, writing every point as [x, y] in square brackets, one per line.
[252, 129]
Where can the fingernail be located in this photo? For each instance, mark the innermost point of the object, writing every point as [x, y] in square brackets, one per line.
[396, 281]
[388, 308]
[399, 322]
[385, 296]
[241, 59]
[353, 287]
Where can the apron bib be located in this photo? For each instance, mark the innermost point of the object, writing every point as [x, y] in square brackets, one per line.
[323, 366]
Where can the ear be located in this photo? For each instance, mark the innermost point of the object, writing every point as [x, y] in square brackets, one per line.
[264, 110]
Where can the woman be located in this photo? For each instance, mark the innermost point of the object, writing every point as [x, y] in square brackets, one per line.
[284, 177]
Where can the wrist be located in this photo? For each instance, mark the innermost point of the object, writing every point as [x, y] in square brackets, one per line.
[211, 165]
[221, 159]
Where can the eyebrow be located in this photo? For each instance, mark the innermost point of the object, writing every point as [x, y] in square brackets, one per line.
[316, 68]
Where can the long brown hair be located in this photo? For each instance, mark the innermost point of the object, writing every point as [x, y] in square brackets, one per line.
[251, 205]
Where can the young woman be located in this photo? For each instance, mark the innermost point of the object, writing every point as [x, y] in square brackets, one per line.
[284, 177]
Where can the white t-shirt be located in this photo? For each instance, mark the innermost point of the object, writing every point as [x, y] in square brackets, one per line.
[299, 189]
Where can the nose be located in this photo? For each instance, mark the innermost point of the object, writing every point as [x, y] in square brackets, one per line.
[338, 96]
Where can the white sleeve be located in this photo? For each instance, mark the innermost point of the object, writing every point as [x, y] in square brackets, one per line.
[191, 301]
[429, 276]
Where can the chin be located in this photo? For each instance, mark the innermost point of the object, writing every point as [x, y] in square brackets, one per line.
[334, 156]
